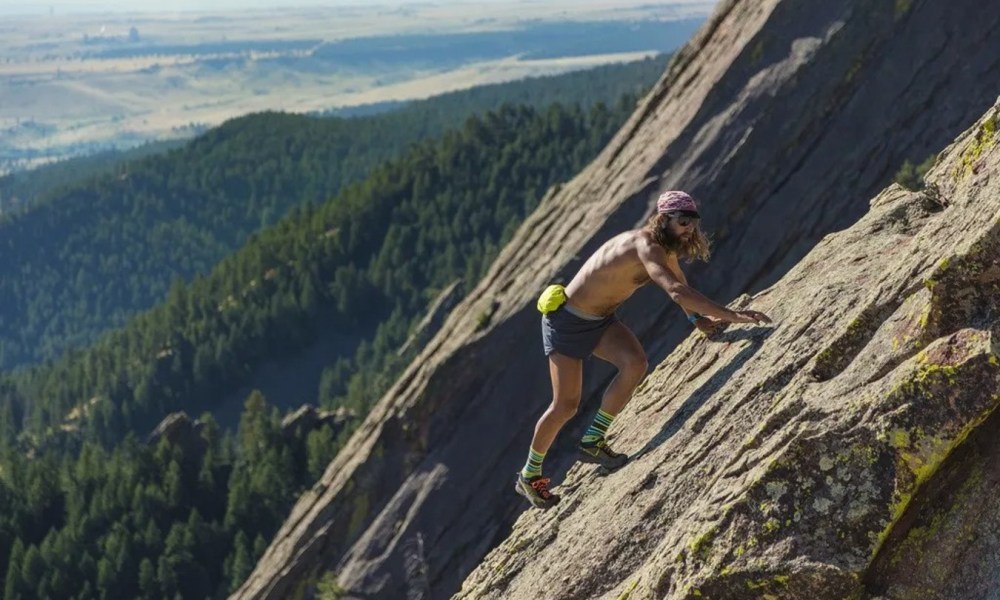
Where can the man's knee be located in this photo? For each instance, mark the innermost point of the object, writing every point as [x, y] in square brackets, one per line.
[634, 368]
[565, 407]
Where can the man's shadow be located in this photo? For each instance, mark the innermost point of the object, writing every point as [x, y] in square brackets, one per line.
[756, 335]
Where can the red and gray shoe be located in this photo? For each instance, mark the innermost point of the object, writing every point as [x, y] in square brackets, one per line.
[601, 454]
[536, 490]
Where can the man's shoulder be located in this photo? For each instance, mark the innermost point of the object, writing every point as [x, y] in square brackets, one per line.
[642, 237]
[644, 240]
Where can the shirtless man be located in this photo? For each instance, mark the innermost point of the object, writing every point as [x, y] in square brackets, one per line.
[580, 320]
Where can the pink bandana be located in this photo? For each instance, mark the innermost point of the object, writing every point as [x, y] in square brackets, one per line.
[676, 201]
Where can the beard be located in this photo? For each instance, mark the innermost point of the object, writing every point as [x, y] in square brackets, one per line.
[691, 245]
[672, 242]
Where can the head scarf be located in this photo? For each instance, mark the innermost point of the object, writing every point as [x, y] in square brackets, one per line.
[677, 201]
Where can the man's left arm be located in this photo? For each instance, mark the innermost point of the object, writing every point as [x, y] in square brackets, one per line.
[706, 325]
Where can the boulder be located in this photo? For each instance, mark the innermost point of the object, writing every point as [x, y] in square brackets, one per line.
[180, 430]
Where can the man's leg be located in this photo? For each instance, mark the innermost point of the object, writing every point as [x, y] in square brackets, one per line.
[619, 347]
[567, 382]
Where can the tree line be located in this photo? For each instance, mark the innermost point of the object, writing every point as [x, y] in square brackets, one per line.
[102, 241]
[96, 513]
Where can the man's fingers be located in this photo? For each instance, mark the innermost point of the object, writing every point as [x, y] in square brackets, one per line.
[753, 316]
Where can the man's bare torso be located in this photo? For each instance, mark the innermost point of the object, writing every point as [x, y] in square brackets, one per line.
[610, 275]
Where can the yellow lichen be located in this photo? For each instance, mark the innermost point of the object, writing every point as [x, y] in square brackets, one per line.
[700, 546]
[902, 7]
[983, 140]
[762, 584]
[922, 463]
[900, 438]
[772, 525]
[853, 71]
[917, 537]
[628, 592]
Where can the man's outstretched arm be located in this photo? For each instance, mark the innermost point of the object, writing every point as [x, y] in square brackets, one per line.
[702, 323]
[674, 266]
[656, 261]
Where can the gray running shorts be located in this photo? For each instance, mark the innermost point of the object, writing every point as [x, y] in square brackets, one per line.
[572, 332]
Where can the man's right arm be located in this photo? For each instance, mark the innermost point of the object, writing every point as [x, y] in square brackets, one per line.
[655, 259]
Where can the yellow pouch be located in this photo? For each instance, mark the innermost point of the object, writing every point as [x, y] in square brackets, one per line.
[552, 298]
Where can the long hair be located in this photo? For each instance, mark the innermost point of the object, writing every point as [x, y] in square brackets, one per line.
[697, 247]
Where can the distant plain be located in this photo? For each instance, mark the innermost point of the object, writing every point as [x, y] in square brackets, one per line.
[74, 84]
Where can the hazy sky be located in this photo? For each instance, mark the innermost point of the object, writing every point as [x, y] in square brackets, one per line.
[69, 6]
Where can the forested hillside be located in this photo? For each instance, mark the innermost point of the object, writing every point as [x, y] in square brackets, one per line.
[22, 189]
[92, 512]
[85, 259]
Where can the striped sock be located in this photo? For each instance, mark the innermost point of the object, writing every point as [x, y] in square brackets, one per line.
[598, 428]
[533, 468]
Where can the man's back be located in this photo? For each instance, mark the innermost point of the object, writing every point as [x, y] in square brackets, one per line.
[610, 275]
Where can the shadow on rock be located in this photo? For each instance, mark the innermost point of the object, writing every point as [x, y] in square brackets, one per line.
[756, 337]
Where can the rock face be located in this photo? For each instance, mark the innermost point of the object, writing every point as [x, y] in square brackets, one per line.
[784, 118]
[849, 451]
[179, 430]
[308, 418]
[434, 319]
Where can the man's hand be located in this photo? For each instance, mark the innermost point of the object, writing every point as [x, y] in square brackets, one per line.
[750, 316]
[708, 326]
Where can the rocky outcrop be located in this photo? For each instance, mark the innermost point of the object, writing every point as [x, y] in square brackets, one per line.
[180, 430]
[784, 118]
[849, 451]
[308, 418]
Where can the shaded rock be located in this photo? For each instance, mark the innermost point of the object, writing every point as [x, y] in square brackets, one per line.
[432, 321]
[180, 430]
[307, 418]
[784, 118]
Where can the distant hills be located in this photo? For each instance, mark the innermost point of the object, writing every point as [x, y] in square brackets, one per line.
[103, 81]
[106, 236]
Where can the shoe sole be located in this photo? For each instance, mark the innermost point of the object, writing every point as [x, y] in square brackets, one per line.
[531, 500]
[587, 458]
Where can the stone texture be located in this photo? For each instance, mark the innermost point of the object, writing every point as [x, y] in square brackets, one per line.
[847, 452]
[783, 118]
[434, 319]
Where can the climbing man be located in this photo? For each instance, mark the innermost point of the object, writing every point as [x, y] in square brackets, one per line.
[579, 320]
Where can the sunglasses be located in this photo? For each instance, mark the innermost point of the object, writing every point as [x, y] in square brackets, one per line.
[686, 221]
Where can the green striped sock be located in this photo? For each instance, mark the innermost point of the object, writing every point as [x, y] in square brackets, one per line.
[598, 429]
[533, 468]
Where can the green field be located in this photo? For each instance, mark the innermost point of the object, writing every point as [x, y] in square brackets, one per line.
[75, 84]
